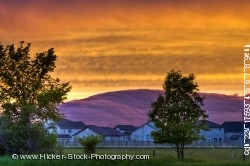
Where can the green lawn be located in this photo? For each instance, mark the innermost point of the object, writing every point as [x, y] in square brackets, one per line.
[193, 157]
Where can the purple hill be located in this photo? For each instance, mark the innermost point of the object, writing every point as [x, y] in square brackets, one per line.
[131, 107]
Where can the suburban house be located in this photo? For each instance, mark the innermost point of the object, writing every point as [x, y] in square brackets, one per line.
[66, 128]
[143, 133]
[110, 134]
[215, 132]
[126, 130]
[234, 130]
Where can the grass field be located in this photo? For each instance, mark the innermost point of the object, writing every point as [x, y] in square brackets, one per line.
[193, 157]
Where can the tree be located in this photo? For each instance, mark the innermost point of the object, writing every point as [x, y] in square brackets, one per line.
[90, 143]
[28, 94]
[177, 111]
[17, 137]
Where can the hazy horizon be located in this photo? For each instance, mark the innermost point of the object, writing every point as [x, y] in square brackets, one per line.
[118, 90]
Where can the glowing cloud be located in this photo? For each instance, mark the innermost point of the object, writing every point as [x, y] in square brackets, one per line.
[110, 45]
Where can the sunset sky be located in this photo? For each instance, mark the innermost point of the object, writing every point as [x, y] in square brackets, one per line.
[107, 45]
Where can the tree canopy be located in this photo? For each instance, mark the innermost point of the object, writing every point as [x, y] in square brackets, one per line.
[26, 88]
[28, 97]
[177, 111]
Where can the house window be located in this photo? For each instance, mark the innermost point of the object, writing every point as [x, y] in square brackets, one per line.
[69, 130]
[220, 139]
[215, 139]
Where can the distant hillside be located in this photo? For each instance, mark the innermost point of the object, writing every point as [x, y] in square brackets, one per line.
[131, 107]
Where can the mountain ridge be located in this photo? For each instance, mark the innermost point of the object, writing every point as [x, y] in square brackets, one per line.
[130, 107]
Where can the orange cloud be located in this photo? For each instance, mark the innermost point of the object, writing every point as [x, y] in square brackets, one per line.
[107, 45]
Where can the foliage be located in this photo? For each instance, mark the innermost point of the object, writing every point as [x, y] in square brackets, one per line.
[18, 137]
[177, 111]
[26, 88]
[59, 148]
[28, 97]
[90, 143]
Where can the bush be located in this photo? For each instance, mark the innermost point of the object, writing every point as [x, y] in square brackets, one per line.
[90, 143]
[25, 138]
[59, 148]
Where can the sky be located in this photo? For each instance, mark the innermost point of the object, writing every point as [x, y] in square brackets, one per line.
[132, 44]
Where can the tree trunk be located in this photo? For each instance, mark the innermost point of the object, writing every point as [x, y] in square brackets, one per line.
[182, 154]
[180, 151]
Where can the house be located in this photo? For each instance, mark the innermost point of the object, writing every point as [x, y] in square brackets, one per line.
[66, 128]
[64, 137]
[143, 133]
[126, 130]
[215, 132]
[234, 130]
[109, 133]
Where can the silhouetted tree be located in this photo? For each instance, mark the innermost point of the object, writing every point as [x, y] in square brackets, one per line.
[177, 111]
[28, 95]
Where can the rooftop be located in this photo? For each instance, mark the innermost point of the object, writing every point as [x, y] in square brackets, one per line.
[107, 131]
[234, 126]
[68, 124]
[127, 128]
[210, 124]
[64, 136]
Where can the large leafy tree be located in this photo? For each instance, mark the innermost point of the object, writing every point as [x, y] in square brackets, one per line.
[177, 111]
[28, 94]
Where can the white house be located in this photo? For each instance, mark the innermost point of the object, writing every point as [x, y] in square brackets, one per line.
[143, 133]
[109, 134]
[66, 128]
[215, 132]
[70, 130]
